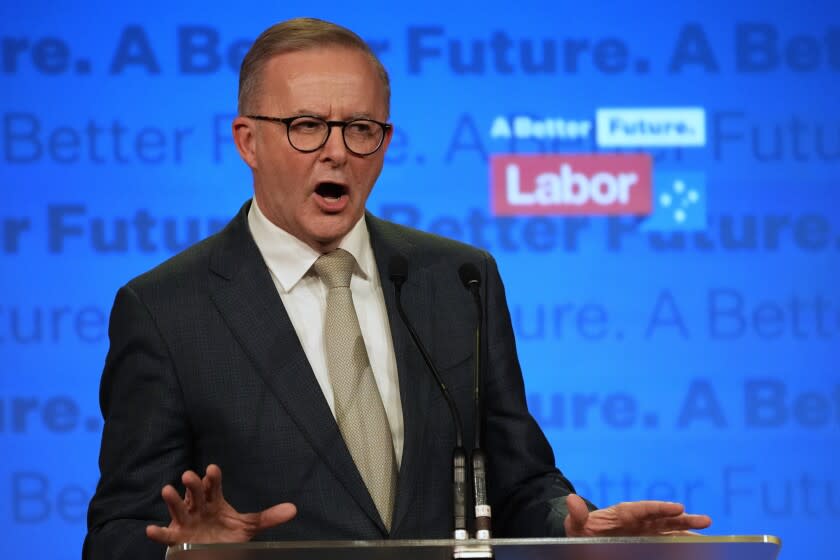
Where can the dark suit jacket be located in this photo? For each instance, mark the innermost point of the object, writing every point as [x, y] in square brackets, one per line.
[205, 367]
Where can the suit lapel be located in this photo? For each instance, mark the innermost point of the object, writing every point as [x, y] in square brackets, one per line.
[248, 300]
[415, 381]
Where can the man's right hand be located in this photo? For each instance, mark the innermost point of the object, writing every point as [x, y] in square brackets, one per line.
[204, 516]
[631, 519]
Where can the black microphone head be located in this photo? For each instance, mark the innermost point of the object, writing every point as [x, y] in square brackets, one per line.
[398, 269]
[469, 275]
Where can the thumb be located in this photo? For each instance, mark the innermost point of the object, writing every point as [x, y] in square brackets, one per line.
[578, 515]
[276, 515]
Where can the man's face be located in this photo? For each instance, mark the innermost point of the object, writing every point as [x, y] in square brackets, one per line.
[318, 197]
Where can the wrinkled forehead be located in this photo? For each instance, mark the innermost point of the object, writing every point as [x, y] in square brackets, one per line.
[327, 77]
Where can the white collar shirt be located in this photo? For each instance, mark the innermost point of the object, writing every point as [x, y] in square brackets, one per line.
[304, 296]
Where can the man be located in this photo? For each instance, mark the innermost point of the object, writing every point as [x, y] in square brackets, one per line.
[234, 356]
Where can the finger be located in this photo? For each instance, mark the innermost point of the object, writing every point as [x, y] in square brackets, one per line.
[276, 515]
[649, 510]
[683, 523]
[698, 521]
[213, 484]
[177, 510]
[577, 507]
[673, 525]
[160, 535]
[196, 489]
[578, 514]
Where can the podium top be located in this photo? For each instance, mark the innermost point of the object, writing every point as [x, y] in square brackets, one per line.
[700, 547]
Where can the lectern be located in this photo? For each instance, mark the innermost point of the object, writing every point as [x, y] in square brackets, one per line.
[758, 547]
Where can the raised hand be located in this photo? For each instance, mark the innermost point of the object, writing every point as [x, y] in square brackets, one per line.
[630, 519]
[204, 516]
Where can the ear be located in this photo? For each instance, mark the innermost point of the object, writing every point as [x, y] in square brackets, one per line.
[387, 140]
[245, 138]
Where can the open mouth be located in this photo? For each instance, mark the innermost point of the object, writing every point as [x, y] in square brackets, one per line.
[331, 191]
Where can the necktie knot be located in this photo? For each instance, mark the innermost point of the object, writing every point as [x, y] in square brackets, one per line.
[335, 268]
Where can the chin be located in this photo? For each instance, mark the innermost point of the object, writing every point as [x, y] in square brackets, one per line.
[334, 226]
[330, 237]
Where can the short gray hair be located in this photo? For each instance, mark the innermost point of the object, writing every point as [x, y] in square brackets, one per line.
[293, 35]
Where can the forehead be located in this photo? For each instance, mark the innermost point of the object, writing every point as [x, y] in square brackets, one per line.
[327, 80]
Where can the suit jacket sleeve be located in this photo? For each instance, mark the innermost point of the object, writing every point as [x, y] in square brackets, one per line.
[144, 438]
[527, 492]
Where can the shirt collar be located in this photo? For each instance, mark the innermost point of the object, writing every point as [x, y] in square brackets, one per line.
[289, 259]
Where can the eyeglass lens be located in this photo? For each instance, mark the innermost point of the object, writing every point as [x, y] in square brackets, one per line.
[360, 136]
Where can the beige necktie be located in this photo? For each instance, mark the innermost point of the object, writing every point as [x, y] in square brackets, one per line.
[358, 405]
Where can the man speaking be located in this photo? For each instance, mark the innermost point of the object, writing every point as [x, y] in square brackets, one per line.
[273, 353]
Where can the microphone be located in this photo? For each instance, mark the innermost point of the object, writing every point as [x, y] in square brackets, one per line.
[398, 271]
[471, 279]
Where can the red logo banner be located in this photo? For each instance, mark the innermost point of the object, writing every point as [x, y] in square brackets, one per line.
[571, 184]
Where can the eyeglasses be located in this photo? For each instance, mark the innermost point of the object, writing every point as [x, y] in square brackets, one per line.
[308, 133]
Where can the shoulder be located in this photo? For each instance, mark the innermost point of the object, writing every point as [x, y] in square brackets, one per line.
[189, 274]
[427, 248]
[184, 268]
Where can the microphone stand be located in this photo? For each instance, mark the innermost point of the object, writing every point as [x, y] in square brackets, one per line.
[471, 279]
[399, 272]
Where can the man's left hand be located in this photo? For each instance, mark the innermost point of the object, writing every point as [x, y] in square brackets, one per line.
[643, 518]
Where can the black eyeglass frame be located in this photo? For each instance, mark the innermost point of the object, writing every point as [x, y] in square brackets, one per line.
[330, 124]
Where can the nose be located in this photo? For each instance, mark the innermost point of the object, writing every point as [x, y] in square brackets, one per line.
[334, 150]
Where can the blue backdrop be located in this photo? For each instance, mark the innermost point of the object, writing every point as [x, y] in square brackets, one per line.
[692, 358]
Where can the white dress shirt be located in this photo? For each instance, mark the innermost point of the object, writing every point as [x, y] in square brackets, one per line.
[303, 294]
